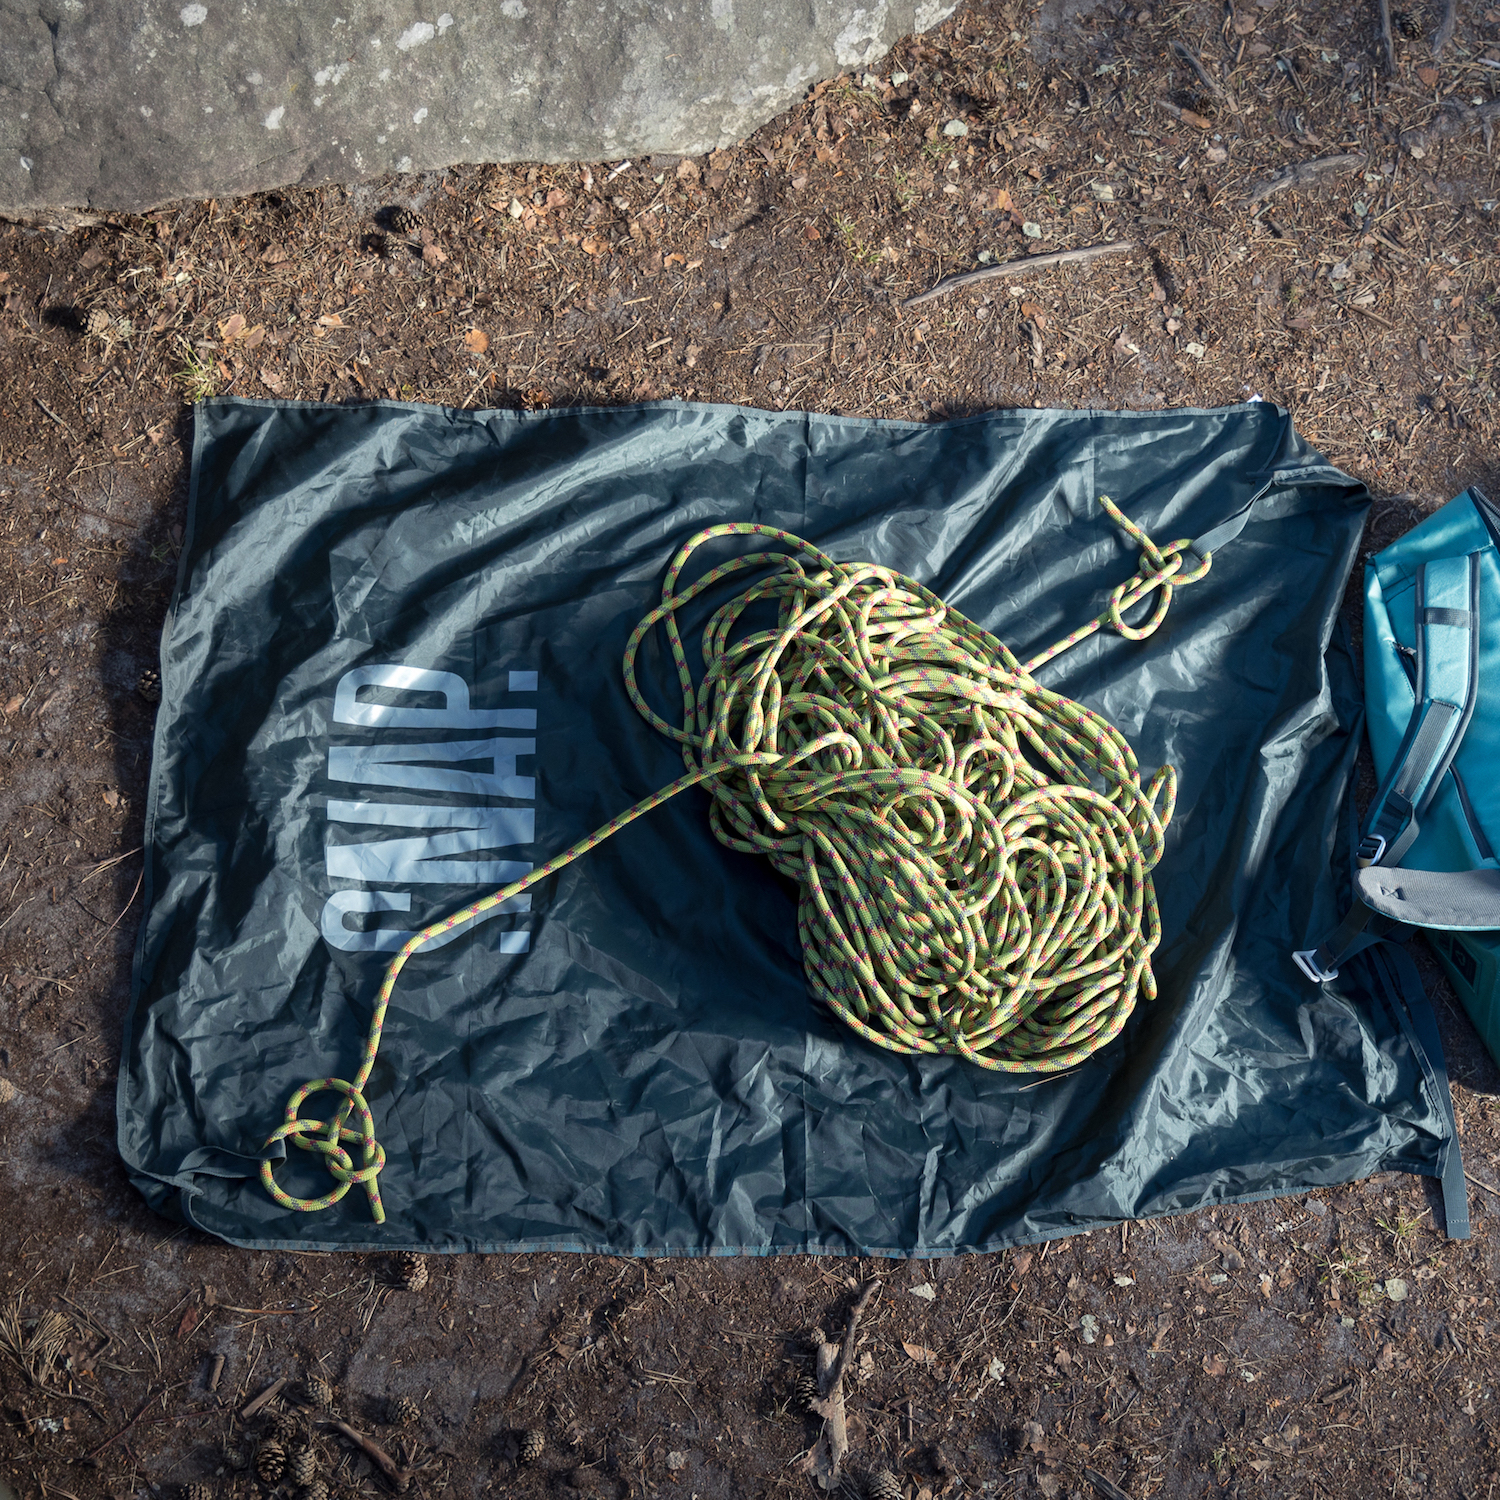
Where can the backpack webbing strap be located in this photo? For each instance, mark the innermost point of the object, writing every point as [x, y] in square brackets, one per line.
[1401, 987]
[1447, 606]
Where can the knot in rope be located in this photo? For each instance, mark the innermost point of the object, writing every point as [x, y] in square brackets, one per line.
[972, 850]
[341, 1168]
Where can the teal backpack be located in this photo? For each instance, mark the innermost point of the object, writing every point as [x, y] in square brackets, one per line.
[1427, 849]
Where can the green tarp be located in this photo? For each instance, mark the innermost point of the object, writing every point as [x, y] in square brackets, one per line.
[391, 680]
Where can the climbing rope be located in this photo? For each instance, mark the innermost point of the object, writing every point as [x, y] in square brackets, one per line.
[973, 851]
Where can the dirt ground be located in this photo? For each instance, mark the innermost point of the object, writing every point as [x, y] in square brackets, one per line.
[1333, 1346]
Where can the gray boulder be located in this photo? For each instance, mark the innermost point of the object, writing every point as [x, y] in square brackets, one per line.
[119, 105]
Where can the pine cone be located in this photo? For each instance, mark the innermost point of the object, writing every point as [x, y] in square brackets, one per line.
[319, 1393]
[148, 685]
[884, 1486]
[317, 1490]
[805, 1391]
[283, 1428]
[197, 1492]
[404, 1411]
[412, 1271]
[532, 1444]
[404, 221]
[270, 1461]
[304, 1466]
[98, 323]
[1406, 24]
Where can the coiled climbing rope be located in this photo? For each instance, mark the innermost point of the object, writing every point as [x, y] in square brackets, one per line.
[973, 850]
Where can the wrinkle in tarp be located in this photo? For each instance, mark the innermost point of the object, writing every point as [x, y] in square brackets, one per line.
[632, 1063]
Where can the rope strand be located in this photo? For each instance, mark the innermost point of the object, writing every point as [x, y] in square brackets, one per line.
[972, 850]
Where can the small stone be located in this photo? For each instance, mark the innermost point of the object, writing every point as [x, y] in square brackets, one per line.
[531, 1445]
[676, 1460]
[883, 1485]
[955, 128]
[304, 1467]
[8, 1091]
[404, 1411]
[270, 1461]
[411, 1271]
[1396, 1289]
[1031, 229]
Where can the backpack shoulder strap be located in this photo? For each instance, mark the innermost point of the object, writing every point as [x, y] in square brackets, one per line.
[1447, 605]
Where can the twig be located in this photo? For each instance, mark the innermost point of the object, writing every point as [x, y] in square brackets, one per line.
[53, 415]
[1477, 1183]
[265, 1398]
[399, 1477]
[106, 864]
[131, 902]
[846, 1353]
[140, 1412]
[1106, 1487]
[1018, 268]
[1385, 36]
[1444, 34]
[1190, 57]
[1304, 173]
[1452, 122]
[1177, 112]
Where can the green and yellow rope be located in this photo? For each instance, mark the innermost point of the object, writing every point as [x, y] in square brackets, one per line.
[973, 851]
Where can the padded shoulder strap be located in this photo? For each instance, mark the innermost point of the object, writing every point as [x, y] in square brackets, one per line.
[1447, 606]
[1455, 901]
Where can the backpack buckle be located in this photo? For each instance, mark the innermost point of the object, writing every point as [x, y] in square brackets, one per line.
[1307, 961]
[1371, 850]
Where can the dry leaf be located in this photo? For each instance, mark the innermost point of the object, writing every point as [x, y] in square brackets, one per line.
[274, 255]
[688, 170]
[799, 182]
[433, 256]
[1036, 1437]
[330, 320]
[476, 341]
[273, 382]
[557, 198]
[1020, 1261]
[592, 246]
[232, 327]
[1189, 118]
[189, 1322]
[995, 200]
[1215, 1364]
[1429, 77]
[1035, 313]
[920, 1353]
[1244, 23]
[254, 337]
[673, 259]
[13, 704]
[813, 232]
